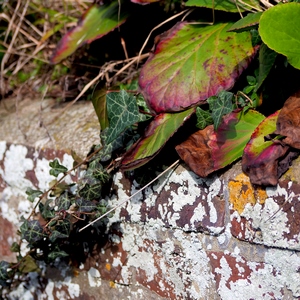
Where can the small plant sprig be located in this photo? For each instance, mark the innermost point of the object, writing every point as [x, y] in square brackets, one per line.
[48, 229]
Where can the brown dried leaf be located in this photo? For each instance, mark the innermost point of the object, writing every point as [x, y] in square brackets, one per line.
[196, 153]
[288, 122]
[264, 169]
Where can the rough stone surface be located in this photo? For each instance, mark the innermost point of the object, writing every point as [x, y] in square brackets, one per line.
[184, 237]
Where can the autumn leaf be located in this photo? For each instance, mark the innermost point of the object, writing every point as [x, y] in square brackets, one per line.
[208, 150]
[155, 136]
[192, 63]
[96, 22]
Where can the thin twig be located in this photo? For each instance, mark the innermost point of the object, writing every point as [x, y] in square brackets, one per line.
[137, 192]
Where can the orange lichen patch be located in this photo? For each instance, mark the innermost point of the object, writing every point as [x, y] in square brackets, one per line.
[108, 267]
[242, 192]
[112, 284]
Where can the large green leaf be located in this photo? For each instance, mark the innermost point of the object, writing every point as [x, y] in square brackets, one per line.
[192, 63]
[208, 150]
[226, 5]
[122, 112]
[279, 30]
[156, 135]
[95, 23]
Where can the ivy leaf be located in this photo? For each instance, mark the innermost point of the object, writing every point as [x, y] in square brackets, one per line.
[85, 205]
[192, 63]
[56, 254]
[249, 22]
[220, 106]
[91, 191]
[15, 247]
[278, 28]
[99, 102]
[96, 22]
[32, 231]
[32, 194]
[122, 112]
[204, 118]
[57, 235]
[57, 168]
[63, 202]
[47, 210]
[28, 265]
[225, 5]
[4, 276]
[155, 136]
[208, 150]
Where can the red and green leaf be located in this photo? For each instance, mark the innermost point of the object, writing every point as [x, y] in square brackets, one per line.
[192, 63]
[156, 135]
[260, 158]
[207, 150]
[96, 22]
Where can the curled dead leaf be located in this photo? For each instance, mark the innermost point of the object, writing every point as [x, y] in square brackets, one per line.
[288, 122]
[196, 153]
[263, 170]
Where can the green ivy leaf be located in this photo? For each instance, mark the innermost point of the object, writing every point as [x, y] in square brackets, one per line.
[32, 231]
[63, 202]
[204, 118]
[28, 265]
[220, 106]
[57, 235]
[4, 276]
[279, 30]
[47, 210]
[56, 254]
[32, 194]
[122, 113]
[57, 168]
[85, 205]
[91, 191]
[15, 247]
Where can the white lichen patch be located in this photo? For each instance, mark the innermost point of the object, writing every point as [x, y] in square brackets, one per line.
[271, 222]
[94, 277]
[153, 251]
[15, 167]
[42, 169]
[286, 267]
